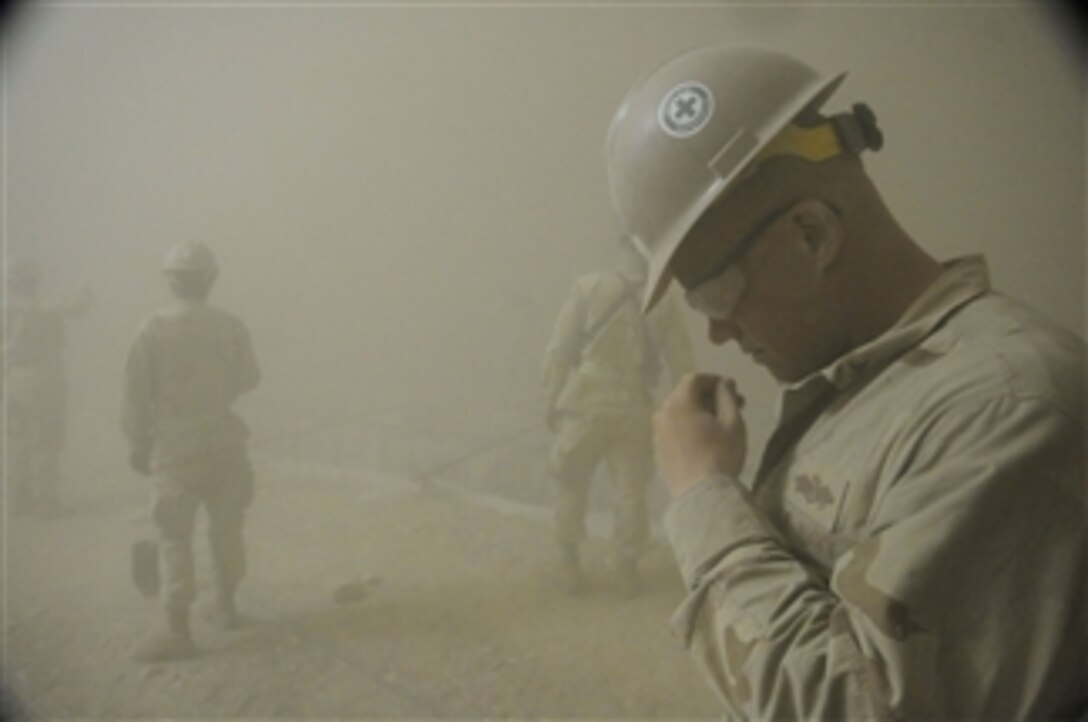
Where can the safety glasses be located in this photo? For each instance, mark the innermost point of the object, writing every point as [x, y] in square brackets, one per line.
[718, 296]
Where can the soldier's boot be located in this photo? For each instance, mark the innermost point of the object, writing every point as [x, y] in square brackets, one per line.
[570, 571]
[175, 643]
[628, 582]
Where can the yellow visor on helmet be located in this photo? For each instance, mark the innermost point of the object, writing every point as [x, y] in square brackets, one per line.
[846, 132]
[814, 144]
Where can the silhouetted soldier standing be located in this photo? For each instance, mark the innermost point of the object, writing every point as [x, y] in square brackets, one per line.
[35, 388]
[601, 365]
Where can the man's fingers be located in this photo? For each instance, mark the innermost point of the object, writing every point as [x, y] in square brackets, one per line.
[705, 392]
[730, 387]
[699, 430]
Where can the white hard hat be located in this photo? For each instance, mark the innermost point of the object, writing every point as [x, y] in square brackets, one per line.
[189, 256]
[689, 129]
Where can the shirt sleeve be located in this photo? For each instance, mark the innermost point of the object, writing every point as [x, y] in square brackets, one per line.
[963, 597]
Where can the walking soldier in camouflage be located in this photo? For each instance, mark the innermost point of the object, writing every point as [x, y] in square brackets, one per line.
[187, 365]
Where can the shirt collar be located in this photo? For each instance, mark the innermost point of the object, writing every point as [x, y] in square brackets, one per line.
[963, 280]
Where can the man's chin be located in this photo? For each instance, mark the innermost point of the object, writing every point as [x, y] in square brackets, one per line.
[779, 373]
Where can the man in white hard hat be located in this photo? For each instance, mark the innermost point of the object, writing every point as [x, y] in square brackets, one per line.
[599, 370]
[35, 388]
[187, 365]
[911, 544]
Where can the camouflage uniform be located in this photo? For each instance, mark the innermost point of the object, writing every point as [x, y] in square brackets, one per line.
[185, 368]
[599, 392]
[913, 545]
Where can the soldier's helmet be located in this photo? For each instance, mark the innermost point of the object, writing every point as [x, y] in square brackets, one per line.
[191, 259]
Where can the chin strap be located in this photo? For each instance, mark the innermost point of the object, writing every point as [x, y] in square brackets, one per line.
[851, 132]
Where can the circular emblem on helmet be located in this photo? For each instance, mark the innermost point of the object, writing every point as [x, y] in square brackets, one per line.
[685, 109]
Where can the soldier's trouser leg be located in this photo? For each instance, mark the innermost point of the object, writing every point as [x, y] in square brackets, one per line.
[575, 454]
[572, 500]
[229, 493]
[630, 466]
[173, 510]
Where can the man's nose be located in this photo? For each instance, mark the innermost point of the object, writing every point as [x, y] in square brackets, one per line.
[722, 332]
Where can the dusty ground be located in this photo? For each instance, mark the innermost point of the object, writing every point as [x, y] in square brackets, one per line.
[465, 622]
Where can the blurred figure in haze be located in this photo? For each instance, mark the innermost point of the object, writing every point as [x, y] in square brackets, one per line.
[35, 388]
[600, 368]
[187, 365]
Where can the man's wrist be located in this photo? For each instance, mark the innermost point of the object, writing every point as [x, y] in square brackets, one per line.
[707, 520]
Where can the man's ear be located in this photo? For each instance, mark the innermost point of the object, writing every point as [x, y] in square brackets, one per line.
[822, 230]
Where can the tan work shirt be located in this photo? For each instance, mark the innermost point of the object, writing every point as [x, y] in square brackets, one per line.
[919, 553]
[185, 368]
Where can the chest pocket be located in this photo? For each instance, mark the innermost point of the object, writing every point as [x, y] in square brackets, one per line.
[810, 500]
[817, 496]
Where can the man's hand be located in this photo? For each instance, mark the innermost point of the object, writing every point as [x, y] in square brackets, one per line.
[699, 431]
[140, 460]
